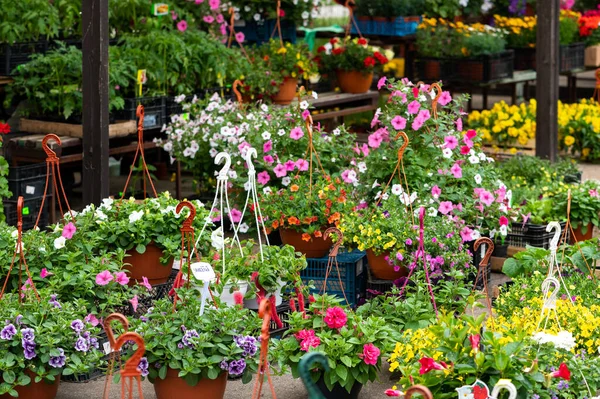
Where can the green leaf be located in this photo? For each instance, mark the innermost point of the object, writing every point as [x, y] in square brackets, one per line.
[140, 248]
[512, 268]
[9, 376]
[346, 360]
[342, 372]
[162, 373]
[501, 361]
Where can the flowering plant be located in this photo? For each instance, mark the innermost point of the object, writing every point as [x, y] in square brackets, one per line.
[198, 346]
[133, 225]
[40, 340]
[304, 208]
[352, 343]
[350, 55]
[585, 203]
[4, 193]
[522, 30]
[300, 13]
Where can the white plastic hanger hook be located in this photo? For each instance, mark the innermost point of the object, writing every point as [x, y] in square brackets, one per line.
[225, 169]
[505, 384]
[250, 152]
[550, 288]
[557, 230]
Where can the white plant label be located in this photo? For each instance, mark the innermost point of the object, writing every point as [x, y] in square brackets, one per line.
[30, 190]
[203, 271]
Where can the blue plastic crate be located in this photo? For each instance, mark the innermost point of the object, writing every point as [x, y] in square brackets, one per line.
[352, 267]
[400, 26]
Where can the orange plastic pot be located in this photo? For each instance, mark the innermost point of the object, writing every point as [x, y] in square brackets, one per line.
[381, 269]
[148, 265]
[354, 82]
[287, 92]
[579, 236]
[174, 387]
[314, 248]
[36, 390]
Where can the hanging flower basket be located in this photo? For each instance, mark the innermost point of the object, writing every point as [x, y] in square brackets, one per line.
[148, 265]
[381, 268]
[354, 82]
[174, 386]
[286, 93]
[313, 248]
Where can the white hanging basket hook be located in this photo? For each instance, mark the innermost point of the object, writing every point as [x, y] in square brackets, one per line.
[557, 230]
[225, 169]
[250, 153]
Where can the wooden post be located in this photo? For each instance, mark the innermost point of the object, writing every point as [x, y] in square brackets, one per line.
[95, 100]
[547, 85]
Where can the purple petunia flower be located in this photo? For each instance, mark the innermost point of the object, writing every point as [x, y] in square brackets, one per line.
[237, 367]
[54, 302]
[94, 343]
[77, 326]
[224, 365]
[247, 344]
[187, 336]
[143, 366]
[18, 319]
[8, 332]
[58, 361]
[82, 345]
[28, 335]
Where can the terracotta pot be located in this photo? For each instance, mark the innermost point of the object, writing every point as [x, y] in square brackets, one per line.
[339, 392]
[579, 236]
[315, 248]
[36, 390]
[354, 82]
[287, 92]
[148, 265]
[173, 387]
[381, 269]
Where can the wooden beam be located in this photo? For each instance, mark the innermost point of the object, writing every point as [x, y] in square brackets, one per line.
[547, 85]
[95, 100]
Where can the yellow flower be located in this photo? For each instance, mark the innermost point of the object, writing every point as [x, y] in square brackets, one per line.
[282, 50]
[569, 140]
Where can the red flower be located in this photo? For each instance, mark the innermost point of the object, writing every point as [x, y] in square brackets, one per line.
[281, 13]
[362, 41]
[369, 62]
[335, 317]
[415, 91]
[475, 339]
[563, 372]
[334, 41]
[321, 49]
[428, 364]
[338, 51]
[393, 392]
[471, 134]
[4, 128]
[464, 150]
[503, 221]
[382, 59]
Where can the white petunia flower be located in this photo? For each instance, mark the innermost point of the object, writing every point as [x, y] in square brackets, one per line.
[135, 216]
[244, 228]
[267, 190]
[60, 242]
[286, 181]
[281, 132]
[336, 131]
[362, 167]
[432, 212]
[304, 105]
[257, 17]
[217, 240]
[315, 95]
[474, 159]
[447, 153]
[247, 186]
[397, 189]
[503, 230]
[478, 178]
[266, 136]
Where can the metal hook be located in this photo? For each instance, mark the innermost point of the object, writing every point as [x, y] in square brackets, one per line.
[140, 114]
[338, 243]
[20, 202]
[404, 144]
[187, 223]
[51, 155]
[556, 238]
[131, 366]
[225, 169]
[108, 327]
[420, 389]
[236, 91]
[488, 252]
[309, 122]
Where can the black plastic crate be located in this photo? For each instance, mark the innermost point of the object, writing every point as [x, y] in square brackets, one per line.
[27, 181]
[31, 208]
[157, 292]
[534, 235]
[485, 69]
[525, 59]
[155, 111]
[352, 274]
[435, 69]
[572, 57]
[14, 55]
[377, 287]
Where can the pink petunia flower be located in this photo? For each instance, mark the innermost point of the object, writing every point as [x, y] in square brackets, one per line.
[121, 278]
[182, 25]
[92, 319]
[209, 19]
[302, 165]
[103, 278]
[593, 193]
[45, 273]
[69, 230]
[466, 234]
[219, 18]
[263, 177]
[445, 98]
[305, 114]
[399, 122]
[240, 37]
[280, 170]
[145, 283]
[349, 176]
[436, 191]
[413, 107]
[417, 123]
[468, 142]
[214, 4]
[290, 166]
[375, 140]
[268, 146]
[459, 124]
[134, 303]
[365, 150]
[456, 170]
[486, 197]
[381, 83]
[424, 114]
[450, 142]
[297, 133]
[268, 159]
[335, 317]
[236, 215]
[445, 207]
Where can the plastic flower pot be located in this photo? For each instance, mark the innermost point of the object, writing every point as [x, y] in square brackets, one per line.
[148, 265]
[227, 295]
[314, 248]
[287, 92]
[175, 387]
[381, 269]
[338, 392]
[579, 235]
[354, 82]
[36, 390]
[252, 303]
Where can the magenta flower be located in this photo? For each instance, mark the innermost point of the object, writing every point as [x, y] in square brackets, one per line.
[263, 177]
[268, 146]
[302, 165]
[92, 319]
[436, 191]
[223, 30]
[465, 150]
[445, 207]
[398, 122]
[349, 176]
[375, 120]
[445, 98]
[466, 234]
[468, 142]
[297, 133]
[145, 283]
[424, 114]
[69, 230]
[214, 4]
[503, 221]
[104, 278]
[417, 123]
[209, 19]
[174, 15]
[305, 115]
[365, 150]
[459, 124]
[219, 18]
[235, 215]
[45, 273]
[450, 142]
[471, 134]
[413, 107]
[486, 197]
[268, 159]
[134, 303]
[240, 37]
[456, 170]
[335, 317]
[593, 193]
[370, 354]
[182, 25]
[121, 278]
[375, 140]
[381, 83]
[290, 166]
[280, 170]
[199, 1]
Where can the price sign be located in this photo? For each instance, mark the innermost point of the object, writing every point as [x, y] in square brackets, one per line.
[203, 271]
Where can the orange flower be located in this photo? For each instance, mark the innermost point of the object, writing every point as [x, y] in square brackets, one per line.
[294, 188]
[307, 220]
[318, 234]
[306, 237]
[275, 224]
[331, 187]
[334, 218]
[328, 203]
[292, 220]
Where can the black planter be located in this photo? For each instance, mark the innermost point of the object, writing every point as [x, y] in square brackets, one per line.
[500, 251]
[338, 391]
[275, 238]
